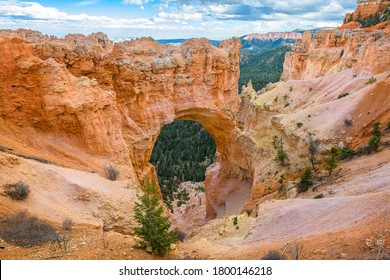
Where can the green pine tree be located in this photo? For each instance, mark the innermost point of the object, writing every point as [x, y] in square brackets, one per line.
[306, 181]
[282, 156]
[154, 228]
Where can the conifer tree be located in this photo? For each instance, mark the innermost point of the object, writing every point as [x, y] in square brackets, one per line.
[154, 228]
[281, 156]
[306, 181]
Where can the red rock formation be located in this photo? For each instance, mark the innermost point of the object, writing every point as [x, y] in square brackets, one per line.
[366, 8]
[112, 100]
[331, 51]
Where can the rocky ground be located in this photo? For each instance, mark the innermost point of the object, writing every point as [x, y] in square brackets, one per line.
[352, 221]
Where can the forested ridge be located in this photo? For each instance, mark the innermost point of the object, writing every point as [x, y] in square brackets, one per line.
[262, 68]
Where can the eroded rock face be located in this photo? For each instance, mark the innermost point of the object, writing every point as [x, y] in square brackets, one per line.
[331, 51]
[112, 100]
[365, 8]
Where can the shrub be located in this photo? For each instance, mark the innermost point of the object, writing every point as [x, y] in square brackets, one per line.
[273, 255]
[371, 81]
[342, 53]
[249, 211]
[310, 90]
[374, 143]
[376, 138]
[347, 152]
[180, 235]
[306, 181]
[367, 150]
[154, 228]
[25, 230]
[17, 191]
[299, 124]
[321, 195]
[329, 163]
[111, 172]
[235, 220]
[335, 151]
[348, 122]
[67, 224]
[343, 95]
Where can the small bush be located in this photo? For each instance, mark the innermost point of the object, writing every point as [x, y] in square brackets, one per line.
[17, 191]
[111, 172]
[310, 90]
[299, 124]
[371, 81]
[329, 163]
[237, 227]
[67, 224]
[367, 150]
[235, 220]
[25, 230]
[335, 151]
[249, 211]
[273, 255]
[343, 95]
[348, 122]
[180, 235]
[321, 195]
[376, 138]
[347, 152]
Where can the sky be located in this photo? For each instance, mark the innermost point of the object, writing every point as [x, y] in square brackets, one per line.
[167, 19]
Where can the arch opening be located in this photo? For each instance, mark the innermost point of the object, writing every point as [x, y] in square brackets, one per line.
[182, 153]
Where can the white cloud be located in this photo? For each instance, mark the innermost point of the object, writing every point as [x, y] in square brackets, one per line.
[180, 16]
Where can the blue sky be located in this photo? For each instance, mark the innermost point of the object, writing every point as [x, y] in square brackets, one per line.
[161, 19]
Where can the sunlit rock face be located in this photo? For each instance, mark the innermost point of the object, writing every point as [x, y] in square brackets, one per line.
[112, 100]
[331, 51]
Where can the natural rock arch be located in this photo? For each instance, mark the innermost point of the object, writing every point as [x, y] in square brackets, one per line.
[112, 100]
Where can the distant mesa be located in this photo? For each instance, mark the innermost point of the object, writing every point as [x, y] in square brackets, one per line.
[274, 36]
